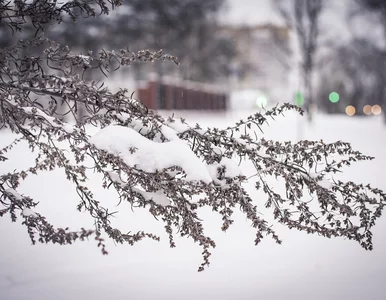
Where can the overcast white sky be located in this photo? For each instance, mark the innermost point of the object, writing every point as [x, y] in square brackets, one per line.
[250, 12]
[334, 19]
[262, 11]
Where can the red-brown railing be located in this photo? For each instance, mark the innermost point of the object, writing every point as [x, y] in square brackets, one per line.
[168, 95]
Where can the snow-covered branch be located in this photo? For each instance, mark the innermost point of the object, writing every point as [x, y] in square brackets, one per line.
[165, 165]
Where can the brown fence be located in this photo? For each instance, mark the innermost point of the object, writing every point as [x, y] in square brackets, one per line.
[163, 95]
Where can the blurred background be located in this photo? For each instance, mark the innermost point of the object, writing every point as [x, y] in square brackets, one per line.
[319, 54]
[237, 56]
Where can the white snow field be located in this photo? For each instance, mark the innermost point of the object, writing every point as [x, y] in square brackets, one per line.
[304, 267]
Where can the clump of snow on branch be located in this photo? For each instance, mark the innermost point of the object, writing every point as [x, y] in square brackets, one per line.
[34, 111]
[158, 197]
[225, 169]
[13, 193]
[27, 212]
[141, 153]
[320, 180]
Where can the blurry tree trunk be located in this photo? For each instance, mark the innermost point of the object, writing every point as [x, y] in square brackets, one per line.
[307, 14]
[378, 6]
[303, 17]
[308, 92]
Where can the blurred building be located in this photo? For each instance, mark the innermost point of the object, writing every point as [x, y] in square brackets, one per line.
[260, 72]
[263, 59]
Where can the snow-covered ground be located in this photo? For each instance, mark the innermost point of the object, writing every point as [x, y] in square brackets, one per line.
[303, 267]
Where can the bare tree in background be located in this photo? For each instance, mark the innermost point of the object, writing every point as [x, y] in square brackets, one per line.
[303, 17]
[357, 70]
[188, 28]
[377, 8]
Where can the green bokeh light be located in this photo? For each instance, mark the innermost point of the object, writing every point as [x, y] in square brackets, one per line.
[299, 99]
[334, 97]
[261, 101]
